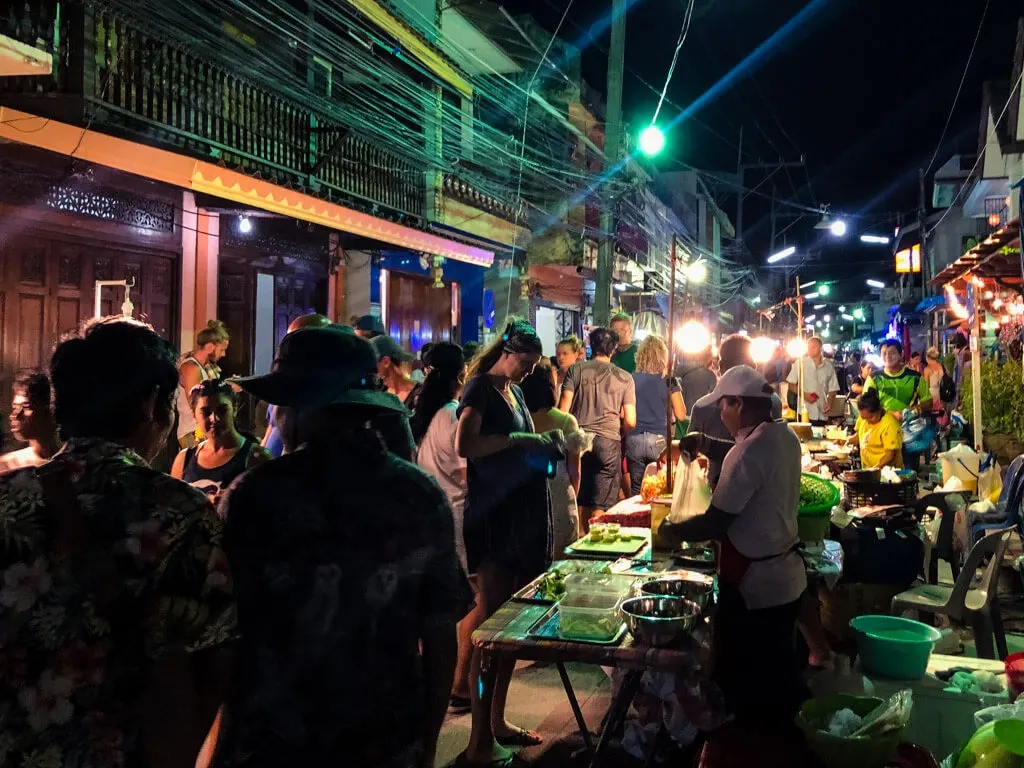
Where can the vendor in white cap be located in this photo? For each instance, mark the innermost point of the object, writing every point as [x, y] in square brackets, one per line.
[753, 514]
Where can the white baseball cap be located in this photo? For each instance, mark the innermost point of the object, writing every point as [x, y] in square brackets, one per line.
[741, 381]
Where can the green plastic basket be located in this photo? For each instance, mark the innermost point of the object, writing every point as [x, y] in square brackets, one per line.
[824, 508]
[840, 752]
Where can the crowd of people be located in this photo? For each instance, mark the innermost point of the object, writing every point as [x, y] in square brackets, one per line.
[313, 591]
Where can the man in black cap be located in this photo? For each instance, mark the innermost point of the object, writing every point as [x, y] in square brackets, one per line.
[392, 368]
[369, 327]
[348, 584]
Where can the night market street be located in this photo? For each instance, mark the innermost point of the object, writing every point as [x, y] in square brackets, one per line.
[511, 383]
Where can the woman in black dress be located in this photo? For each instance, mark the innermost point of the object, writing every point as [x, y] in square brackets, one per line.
[507, 526]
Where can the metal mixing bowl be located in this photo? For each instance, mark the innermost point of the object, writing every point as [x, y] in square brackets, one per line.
[698, 592]
[659, 619]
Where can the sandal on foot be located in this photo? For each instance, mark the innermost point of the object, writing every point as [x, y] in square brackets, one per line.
[459, 705]
[512, 761]
[520, 737]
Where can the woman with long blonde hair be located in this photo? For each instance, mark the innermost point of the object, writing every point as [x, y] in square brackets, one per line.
[655, 393]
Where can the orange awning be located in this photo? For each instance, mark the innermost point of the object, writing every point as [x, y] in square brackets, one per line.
[201, 176]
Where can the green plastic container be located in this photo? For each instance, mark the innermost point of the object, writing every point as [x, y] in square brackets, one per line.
[825, 507]
[812, 522]
[894, 647]
[845, 752]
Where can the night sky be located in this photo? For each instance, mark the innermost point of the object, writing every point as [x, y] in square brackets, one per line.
[860, 88]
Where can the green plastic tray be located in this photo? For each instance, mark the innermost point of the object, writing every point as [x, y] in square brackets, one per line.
[618, 548]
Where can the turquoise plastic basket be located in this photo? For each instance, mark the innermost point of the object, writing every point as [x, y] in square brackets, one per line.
[894, 647]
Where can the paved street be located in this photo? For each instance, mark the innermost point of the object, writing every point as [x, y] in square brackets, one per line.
[536, 700]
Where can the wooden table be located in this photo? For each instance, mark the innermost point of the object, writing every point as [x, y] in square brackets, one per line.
[505, 633]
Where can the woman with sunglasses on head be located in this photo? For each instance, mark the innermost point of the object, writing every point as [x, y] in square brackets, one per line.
[226, 453]
[507, 527]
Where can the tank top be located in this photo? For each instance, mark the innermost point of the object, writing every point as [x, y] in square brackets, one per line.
[213, 481]
[186, 419]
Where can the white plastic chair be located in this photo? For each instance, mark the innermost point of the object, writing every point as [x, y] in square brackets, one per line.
[978, 604]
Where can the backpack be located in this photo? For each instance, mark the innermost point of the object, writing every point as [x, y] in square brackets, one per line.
[947, 389]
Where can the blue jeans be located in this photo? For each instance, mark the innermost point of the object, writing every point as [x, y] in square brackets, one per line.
[641, 449]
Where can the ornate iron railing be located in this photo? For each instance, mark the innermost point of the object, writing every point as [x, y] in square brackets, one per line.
[113, 75]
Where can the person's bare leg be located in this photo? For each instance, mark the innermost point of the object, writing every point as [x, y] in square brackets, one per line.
[809, 623]
[502, 729]
[482, 748]
[466, 627]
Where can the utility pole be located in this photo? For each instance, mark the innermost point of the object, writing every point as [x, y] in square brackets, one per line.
[739, 192]
[741, 178]
[922, 220]
[612, 153]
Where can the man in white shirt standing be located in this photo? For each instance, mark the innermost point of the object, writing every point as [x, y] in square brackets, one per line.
[753, 515]
[820, 385]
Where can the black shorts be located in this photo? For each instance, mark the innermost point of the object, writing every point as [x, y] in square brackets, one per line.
[600, 474]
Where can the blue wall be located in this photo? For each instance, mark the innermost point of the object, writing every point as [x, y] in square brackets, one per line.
[470, 278]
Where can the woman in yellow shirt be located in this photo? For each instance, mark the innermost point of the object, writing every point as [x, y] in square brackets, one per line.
[879, 434]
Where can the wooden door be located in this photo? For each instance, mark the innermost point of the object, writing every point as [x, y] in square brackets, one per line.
[417, 311]
[295, 295]
[47, 288]
[235, 310]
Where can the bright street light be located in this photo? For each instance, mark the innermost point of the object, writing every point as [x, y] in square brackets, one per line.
[694, 337]
[808, 284]
[824, 289]
[837, 228]
[875, 239]
[842, 308]
[697, 272]
[811, 295]
[820, 306]
[810, 318]
[652, 140]
[785, 253]
[875, 283]
[847, 317]
[762, 348]
[825, 333]
[796, 348]
[828, 318]
[858, 313]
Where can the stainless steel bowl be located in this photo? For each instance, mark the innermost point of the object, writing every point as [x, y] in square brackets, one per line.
[698, 592]
[659, 619]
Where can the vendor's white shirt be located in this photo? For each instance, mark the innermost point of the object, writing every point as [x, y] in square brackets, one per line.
[820, 379]
[760, 484]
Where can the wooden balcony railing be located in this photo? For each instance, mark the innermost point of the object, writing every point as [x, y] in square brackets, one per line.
[110, 75]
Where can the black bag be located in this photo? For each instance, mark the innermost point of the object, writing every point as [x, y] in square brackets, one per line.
[947, 389]
[881, 551]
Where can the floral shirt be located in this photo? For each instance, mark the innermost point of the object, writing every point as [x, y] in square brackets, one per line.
[75, 647]
[341, 555]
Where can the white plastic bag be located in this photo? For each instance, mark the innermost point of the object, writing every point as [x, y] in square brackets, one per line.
[1014, 711]
[691, 493]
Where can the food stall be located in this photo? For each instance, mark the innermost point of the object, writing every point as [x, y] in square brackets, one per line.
[985, 283]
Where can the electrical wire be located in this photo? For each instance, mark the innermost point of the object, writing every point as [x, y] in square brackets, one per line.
[959, 88]
[981, 156]
[684, 30]
[519, 183]
[386, 106]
